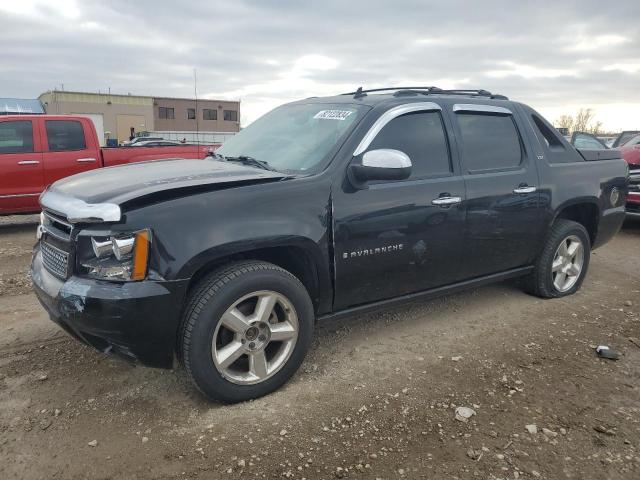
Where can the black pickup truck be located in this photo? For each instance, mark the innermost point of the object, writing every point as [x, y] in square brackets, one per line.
[321, 208]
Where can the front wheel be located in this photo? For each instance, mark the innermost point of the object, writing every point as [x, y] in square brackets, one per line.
[246, 330]
[562, 265]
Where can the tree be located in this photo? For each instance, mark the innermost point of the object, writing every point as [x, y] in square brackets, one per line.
[565, 121]
[583, 121]
[595, 128]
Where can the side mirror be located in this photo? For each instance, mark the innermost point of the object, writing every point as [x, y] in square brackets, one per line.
[382, 164]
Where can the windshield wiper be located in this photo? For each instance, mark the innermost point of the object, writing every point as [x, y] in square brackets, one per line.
[247, 160]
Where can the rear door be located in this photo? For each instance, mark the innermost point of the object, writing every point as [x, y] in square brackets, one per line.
[20, 166]
[400, 237]
[504, 218]
[69, 149]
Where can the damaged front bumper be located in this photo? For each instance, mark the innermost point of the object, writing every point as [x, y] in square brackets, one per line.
[137, 320]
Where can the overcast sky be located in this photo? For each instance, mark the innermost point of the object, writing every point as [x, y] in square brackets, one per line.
[557, 56]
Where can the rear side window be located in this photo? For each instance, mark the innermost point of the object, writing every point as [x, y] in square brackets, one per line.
[65, 135]
[490, 142]
[422, 137]
[556, 148]
[16, 137]
[549, 136]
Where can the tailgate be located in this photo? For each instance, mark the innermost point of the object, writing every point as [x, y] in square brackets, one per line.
[595, 155]
[121, 155]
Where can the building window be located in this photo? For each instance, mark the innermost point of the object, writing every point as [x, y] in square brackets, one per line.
[231, 115]
[166, 112]
[191, 113]
[209, 114]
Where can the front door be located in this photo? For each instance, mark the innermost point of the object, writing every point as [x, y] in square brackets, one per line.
[400, 237]
[20, 167]
[504, 221]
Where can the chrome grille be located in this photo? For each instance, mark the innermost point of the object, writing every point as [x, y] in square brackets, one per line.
[55, 260]
[56, 226]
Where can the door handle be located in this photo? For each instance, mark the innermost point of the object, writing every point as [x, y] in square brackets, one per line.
[446, 201]
[524, 189]
[28, 162]
[86, 160]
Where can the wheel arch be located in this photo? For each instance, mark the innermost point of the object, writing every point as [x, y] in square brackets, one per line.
[585, 211]
[298, 255]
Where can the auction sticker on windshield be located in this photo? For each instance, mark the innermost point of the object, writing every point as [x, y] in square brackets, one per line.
[333, 114]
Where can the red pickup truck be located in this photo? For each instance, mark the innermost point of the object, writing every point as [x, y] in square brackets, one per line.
[37, 150]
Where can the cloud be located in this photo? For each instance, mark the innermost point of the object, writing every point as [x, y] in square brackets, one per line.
[530, 71]
[41, 9]
[623, 67]
[547, 54]
[596, 42]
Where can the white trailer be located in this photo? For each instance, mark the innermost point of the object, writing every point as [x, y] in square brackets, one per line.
[190, 137]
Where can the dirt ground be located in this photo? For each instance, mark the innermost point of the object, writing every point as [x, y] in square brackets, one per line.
[376, 397]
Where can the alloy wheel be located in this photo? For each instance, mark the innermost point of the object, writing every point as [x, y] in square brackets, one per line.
[255, 337]
[567, 263]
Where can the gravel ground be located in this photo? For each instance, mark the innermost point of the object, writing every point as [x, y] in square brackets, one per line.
[376, 397]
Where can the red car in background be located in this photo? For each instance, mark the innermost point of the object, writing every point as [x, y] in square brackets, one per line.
[628, 142]
[631, 153]
[37, 150]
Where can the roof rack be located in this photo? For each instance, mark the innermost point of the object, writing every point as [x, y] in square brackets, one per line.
[428, 91]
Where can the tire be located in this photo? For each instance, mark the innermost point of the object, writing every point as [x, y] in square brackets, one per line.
[544, 282]
[260, 313]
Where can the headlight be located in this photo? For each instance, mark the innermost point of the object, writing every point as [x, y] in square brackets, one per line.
[122, 257]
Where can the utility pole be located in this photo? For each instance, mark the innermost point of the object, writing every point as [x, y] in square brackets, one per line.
[195, 93]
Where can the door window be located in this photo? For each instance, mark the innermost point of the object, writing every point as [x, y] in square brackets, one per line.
[65, 135]
[422, 137]
[634, 141]
[16, 137]
[490, 142]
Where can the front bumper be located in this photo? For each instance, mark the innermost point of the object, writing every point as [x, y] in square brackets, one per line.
[137, 320]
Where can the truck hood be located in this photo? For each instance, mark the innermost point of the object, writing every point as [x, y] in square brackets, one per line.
[90, 195]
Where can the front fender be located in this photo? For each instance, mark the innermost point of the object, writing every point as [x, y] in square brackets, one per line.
[198, 230]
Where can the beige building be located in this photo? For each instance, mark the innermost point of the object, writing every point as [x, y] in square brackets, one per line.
[119, 117]
[115, 116]
[189, 115]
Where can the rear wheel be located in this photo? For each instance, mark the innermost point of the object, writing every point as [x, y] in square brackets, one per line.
[562, 265]
[246, 331]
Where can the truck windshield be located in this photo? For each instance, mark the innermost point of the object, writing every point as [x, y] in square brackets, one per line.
[296, 137]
